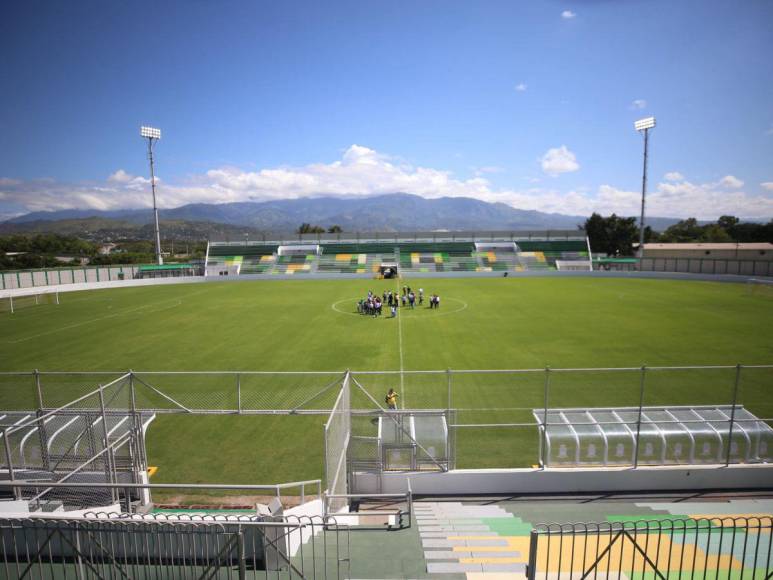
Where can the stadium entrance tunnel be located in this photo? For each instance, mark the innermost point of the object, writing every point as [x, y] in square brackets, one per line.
[388, 270]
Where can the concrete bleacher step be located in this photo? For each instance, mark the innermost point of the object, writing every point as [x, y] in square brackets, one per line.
[456, 554]
[474, 540]
[463, 568]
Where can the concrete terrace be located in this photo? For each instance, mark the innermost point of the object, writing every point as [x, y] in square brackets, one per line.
[488, 537]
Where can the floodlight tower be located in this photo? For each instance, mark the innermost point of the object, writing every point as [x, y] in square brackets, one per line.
[643, 125]
[152, 135]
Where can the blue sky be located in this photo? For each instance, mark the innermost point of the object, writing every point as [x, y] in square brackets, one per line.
[527, 103]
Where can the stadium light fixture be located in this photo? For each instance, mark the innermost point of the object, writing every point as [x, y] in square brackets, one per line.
[152, 134]
[643, 125]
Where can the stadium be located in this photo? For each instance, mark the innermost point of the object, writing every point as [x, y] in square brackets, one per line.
[231, 419]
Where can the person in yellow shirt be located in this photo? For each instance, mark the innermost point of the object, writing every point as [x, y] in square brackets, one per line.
[391, 399]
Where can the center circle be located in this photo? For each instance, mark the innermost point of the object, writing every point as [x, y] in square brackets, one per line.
[349, 306]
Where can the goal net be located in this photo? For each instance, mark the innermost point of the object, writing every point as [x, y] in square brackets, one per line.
[14, 303]
[760, 287]
[573, 265]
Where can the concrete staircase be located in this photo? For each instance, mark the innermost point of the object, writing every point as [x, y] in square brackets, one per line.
[475, 540]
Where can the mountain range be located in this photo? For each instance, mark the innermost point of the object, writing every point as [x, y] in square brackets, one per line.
[388, 212]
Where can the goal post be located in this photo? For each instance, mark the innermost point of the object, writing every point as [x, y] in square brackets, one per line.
[574, 265]
[12, 303]
[760, 287]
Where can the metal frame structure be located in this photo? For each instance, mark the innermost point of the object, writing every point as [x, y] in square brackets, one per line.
[672, 427]
[337, 435]
[96, 439]
[307, 392]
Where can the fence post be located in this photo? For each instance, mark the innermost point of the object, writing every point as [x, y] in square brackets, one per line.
[241, 555]
[41, 426]
[79, 571]
[239, 393]
[9, 461]
[106, 437]
[448, 373]
[544, 445]
[531, 567]
[638, 419]
[732, 412]
[38, 390]
[134, 450]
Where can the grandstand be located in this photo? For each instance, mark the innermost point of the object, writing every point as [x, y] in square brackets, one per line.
[415, 254]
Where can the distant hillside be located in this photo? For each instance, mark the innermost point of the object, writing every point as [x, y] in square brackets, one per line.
[103, 229]
[389, 212]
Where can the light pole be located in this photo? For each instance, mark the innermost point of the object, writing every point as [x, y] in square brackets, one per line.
[152, 135]
[643, 125]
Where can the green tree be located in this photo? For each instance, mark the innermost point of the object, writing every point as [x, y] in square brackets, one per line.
[728, 222]
[683, 231]
[310, 229]
[613, 235]
[336, 229]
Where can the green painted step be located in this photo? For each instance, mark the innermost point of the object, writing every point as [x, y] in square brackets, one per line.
[508, 526]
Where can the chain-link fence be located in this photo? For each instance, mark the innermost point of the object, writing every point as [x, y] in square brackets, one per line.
[494, 423]
[185, 391]
[95, 438]
[338, 430]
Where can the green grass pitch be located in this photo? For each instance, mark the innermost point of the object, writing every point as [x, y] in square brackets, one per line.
[310, 325]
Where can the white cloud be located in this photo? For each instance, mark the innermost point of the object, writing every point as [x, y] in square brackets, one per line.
[361, 171]
[488, 169]
[5, 181]
[568, 15]
[129, 181]
[521, 87]
[559, 160]
[638, 104]
[673, 176]
[731, 182]
[120, 176]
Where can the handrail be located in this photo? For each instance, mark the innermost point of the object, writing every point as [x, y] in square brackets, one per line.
[388, 372]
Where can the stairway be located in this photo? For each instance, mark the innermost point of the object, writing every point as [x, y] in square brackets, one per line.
[477, 540]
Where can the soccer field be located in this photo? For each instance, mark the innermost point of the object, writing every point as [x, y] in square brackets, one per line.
[312, 325]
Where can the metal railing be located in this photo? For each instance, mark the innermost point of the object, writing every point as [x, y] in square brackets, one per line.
[731, 547]
[119, 546]
[34, 490]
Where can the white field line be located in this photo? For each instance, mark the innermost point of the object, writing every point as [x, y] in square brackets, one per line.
[400, 345]
[178, 302]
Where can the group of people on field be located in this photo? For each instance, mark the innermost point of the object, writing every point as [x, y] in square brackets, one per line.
[373, 305]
